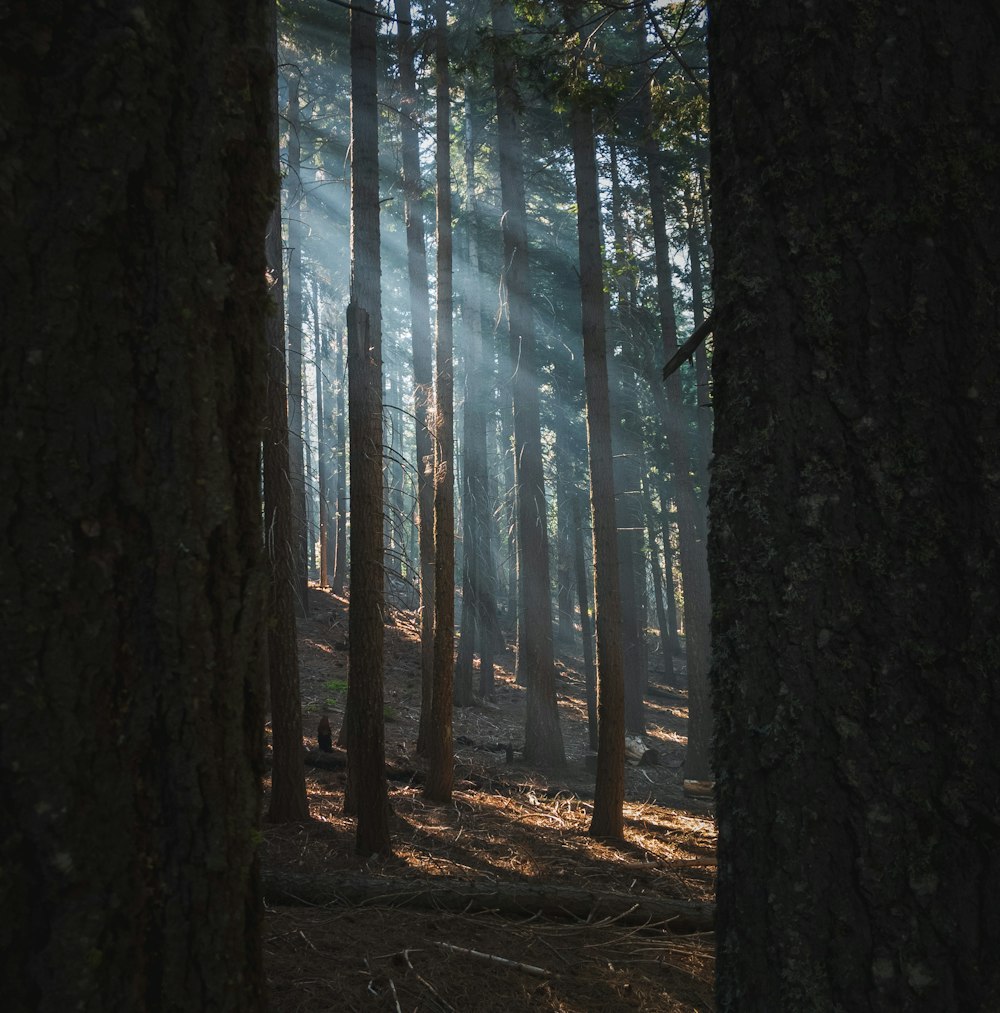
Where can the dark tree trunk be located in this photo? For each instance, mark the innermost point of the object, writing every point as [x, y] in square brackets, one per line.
[543, 744]
[703, 394]
[656, 573]
[288, 785]
[586, 627]
[132, 577]
[423, 378]
[855, 529]
[322, 444]
[624, 430]
[366, 793]
[296, 444]
[609, 792]
[441, 765]
[340, 557]
[670, 573]
[479, 600]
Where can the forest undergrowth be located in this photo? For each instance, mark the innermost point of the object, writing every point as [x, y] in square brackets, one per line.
[499, 901]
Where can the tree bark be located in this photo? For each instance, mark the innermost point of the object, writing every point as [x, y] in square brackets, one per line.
[366, 793]
[296, 441]
[543, 743]
[423, 378]
[609, 792]
[132, 576]
[586, 628]
[855, 539]
[441, 765]
[340, 557]
[288, 785]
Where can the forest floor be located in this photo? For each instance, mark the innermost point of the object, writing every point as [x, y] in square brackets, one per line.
[508, 827]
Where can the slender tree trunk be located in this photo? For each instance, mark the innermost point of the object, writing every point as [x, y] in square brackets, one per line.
[855, 539]
[133, 582]
[586, 628]
[609, 792]
[322, 442]
[670, 574]
[340, 560]
[423, 379]
[296, 445]
[543, 744]
[703, 398]
[288, 784]
[654, 564]
[441, 766]
[366, 792]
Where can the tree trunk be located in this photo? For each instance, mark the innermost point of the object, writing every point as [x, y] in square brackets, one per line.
[586, 628]
[322, 443]
[288, 784]
[132, 577]
[855, 541]
[366, 792]
[441, 766]
[480, 597]
[340, 558]
[609, 792]
[654, 564]
[543, 744]
[423, 379]
[296, 445]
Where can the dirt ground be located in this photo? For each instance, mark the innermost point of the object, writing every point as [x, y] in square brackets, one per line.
[507, 825]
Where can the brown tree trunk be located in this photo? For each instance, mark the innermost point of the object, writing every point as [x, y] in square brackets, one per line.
[441, 765]
[132, 577]
[296, 443]
[479, 619]
[654, 564]
[340, 557]
[609, 792]
[543, 744]
[288, 785]
[322, 443]
[423, 378]
[855, 541]
[586, 627]
[366, 793]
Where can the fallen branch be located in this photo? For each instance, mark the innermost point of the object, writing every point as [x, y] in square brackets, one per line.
[518, 899]
[689, 347]
[492, 958]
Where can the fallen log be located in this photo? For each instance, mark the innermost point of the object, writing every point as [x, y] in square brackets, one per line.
[518, 899]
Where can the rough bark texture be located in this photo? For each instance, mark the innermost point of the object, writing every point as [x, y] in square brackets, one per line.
[543, 744]
[441, 766]
[609, 791]
[423, 379]
[855, 540]
[367, 794]
[137, 184]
